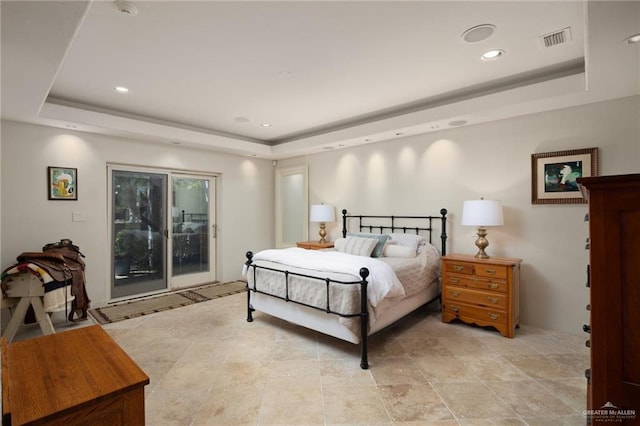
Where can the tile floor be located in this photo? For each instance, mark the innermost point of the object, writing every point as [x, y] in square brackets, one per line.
[208, 366]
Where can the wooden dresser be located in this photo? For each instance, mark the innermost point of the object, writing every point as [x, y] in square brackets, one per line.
[614, 287]
[314, 245]
[481, 291]
[78, 377]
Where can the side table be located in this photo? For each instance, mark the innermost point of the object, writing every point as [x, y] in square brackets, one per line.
[314, 245]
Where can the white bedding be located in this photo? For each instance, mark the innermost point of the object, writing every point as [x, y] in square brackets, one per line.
[415, 276]
[382, 279]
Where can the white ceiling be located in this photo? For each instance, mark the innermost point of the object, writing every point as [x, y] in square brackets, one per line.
[323, 74]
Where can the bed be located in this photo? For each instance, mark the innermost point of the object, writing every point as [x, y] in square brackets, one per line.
[345, 292]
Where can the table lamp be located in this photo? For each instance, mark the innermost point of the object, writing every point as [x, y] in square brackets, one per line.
[482, 213]
[322, 213]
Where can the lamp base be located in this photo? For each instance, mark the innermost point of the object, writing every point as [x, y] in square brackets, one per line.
[322, 233]
[482, 243]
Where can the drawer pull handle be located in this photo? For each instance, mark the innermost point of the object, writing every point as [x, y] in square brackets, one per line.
[493, 286]
[493, 316]
[458, 268]
[455, 280]
[455, 308]
[490, 271]
[493, 300]
[455, 293]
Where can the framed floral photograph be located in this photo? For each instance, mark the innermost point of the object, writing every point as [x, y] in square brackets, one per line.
[63, 183]
[554, 174]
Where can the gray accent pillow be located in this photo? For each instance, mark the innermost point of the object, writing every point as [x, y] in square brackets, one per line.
[357, 246]
[381, 240]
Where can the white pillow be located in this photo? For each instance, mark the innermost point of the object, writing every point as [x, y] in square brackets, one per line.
[408, 240]
[338, 243]
[355, 245]
[396, 250]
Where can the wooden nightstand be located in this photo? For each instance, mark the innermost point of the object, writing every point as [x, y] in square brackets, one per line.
[314, 245]
[482, 291]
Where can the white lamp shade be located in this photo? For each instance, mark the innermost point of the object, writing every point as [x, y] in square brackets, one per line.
[322, 213]
[482, 213]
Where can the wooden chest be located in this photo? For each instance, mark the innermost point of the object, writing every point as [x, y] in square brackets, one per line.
[78, 377]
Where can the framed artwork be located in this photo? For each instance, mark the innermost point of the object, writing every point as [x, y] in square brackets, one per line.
[63, 183]
[554, 174]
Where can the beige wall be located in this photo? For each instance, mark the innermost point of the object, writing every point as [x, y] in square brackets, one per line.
[28, 220]
[421, 174]
[418, 174]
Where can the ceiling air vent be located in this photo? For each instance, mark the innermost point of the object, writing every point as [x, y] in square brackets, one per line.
[557, 37]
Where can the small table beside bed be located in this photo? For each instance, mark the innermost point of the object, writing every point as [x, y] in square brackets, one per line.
[385, 269]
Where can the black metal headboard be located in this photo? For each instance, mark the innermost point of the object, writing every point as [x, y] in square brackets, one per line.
[393, 227]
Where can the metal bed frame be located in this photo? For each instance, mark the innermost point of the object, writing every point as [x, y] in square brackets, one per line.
[364, 272]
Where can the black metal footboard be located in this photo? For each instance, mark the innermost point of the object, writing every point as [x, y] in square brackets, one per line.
[363, 314]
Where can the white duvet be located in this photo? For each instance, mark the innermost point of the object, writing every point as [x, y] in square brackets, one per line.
[383, 282]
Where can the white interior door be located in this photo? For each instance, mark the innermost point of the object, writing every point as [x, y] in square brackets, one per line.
[291, 206]
[192, 240]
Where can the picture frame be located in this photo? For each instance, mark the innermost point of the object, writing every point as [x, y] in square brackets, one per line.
[62, 183]
[554, 174]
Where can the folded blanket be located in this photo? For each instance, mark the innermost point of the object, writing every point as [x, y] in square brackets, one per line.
[57, 294]
[28, 267]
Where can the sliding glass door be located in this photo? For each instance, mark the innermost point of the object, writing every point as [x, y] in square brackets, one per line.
[193, 230]
[138, 227]
[162, 229]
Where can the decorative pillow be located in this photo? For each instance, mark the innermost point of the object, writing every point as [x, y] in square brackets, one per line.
[381, 240]
[396, 250]
[355, 245]
[409, 240]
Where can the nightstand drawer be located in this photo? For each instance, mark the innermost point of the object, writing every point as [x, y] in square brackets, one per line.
[479, 298]
[491, 271]
[485, 315]
[477, 283]
[460, 267]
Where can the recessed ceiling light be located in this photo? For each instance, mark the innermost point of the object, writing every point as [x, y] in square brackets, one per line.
[265, 125]
[241, 119]
[121, 89]
[478, 33]
[458, 123]
[492, 54]
[125, 7]
[633, 39]
[175, 142]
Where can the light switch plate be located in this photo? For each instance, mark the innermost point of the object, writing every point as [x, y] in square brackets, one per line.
[78, 217]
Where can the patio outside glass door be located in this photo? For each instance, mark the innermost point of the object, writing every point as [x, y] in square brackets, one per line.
[138, 232]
